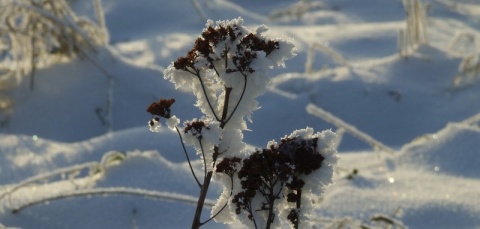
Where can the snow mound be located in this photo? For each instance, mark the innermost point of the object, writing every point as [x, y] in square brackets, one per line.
[144, 172]
[453, 150]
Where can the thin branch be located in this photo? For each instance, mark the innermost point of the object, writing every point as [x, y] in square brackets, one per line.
[188, 158]
[167, 196]
[226, 56]
[33, 64]
[201, 201]
[215, 155]
[239, 100]
[110, 78]
[271, 199]
[299, 204]
[206, 97]
[203, 156]
[96, 64]
[228, 91]
[251, 213]
[225, 205]
[328, 117]
[45, 176]
[214, 68]
[199, 10]
[280, 189]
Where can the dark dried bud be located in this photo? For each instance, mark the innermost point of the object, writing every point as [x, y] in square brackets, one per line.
[296, 183]
[293, 198]
[195, 128]
[303, 153]
[161, 108]
[243, 61]
[184, 63]
[293, 216]
[203, 47]
[243, 201]
[227, 166]
[231, 33]
[254, 43]
[214, 36]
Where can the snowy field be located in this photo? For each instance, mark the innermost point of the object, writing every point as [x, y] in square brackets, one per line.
[408, 112]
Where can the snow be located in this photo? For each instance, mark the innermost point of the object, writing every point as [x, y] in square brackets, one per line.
[77, 151]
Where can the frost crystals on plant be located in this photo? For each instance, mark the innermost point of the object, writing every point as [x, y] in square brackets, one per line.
[227, 69]
[272, 180]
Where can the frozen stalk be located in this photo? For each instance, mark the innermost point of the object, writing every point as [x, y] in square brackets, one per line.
[328, 117]
[167, 196]
[49, 175]
[415, 32]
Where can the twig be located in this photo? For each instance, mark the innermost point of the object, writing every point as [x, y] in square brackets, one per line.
[100, 15]
[239, 100]
[206, 96]
[328, 51]
[228, 91]
[201, 201]
[203, 156]
[472, 120]
[45, 176]
[188, 158]
[225, 205]
[319, 112]
[111, 82]
[167, 196]
[199, 10]
[33, 63]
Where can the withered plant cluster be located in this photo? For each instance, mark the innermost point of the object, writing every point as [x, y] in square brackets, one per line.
[227, 69]
[271, 173]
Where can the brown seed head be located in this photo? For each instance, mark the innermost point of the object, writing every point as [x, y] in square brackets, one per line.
[161, 108]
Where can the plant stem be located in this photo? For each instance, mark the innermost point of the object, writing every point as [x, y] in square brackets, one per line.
[299, 204]
[167, 196]
[203, 156]
[33, 63]
[188, 158]
[223, 122]
[226, 203]
[271, 200]
[240, 99]
[206, 96]
[201, 200]
[206, 183]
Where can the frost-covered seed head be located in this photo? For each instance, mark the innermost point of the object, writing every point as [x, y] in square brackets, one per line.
[228, 166]
[195, 128]
[229, 55]
[161, 108]
[288, 175]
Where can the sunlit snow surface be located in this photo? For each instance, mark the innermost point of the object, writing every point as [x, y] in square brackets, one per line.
[408, 104]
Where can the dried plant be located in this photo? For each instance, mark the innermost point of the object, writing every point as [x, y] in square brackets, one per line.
[38, 33]
[226, 70]
[468, 72]
[415, 32]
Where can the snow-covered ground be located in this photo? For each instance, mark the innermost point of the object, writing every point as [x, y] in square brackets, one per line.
[418, 105]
